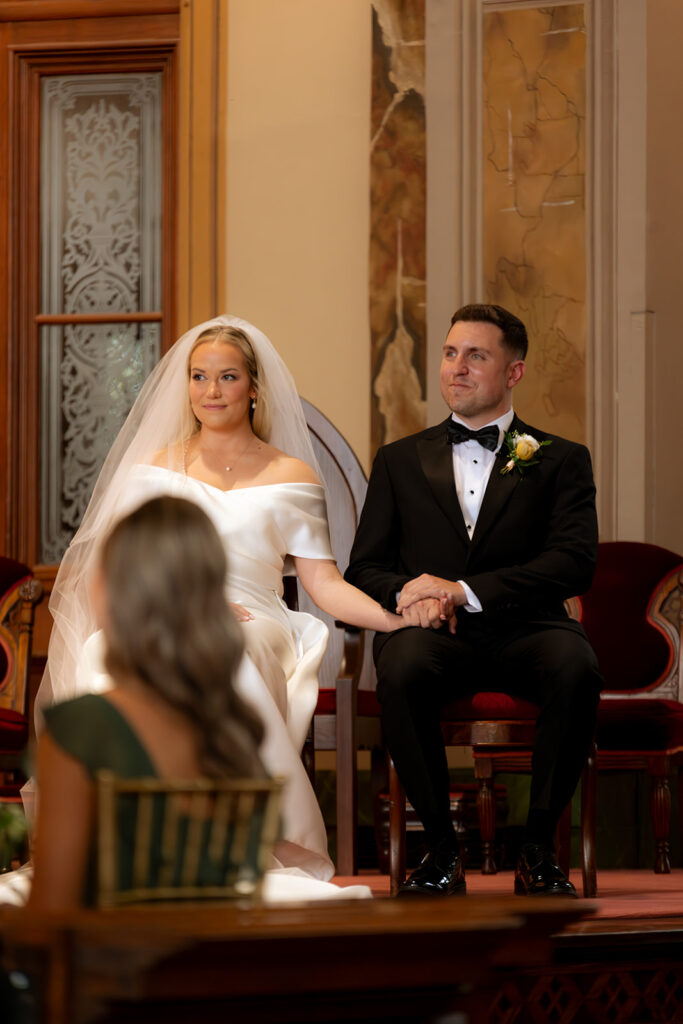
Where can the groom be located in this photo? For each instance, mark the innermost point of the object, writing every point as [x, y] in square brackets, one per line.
[477, 538]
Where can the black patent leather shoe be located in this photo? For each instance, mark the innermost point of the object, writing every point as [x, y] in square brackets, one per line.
[440, 873]
[538, 874]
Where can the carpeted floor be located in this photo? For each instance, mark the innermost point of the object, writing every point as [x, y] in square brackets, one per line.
[621, 894]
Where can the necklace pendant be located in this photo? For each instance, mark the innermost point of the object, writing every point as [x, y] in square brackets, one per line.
[228, 469]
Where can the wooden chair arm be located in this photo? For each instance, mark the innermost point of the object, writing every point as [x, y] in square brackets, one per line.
[346, 728]
[666, 612]
[352, 657]
[17, 612]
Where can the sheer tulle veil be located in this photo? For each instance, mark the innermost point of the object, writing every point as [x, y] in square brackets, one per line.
[160, 419]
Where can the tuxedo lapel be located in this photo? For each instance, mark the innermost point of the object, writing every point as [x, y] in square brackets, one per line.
[436, 459]
[498, 490]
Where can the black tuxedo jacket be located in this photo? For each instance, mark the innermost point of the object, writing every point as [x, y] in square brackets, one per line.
[534, 543]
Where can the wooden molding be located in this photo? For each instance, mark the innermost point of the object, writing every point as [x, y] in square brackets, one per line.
[99, 318]
[201, 244]
[47, 10]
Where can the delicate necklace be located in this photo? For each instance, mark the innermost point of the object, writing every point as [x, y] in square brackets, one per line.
[229, 469]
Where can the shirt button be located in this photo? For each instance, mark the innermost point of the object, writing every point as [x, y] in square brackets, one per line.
[471, 492]
[469, 526]
[474, 461]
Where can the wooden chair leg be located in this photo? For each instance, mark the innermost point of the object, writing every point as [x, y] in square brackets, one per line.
[486, 812]
[347, 779]
[397, 829]
[660, 810]
[563, 839]
[308, 753]
[589, 785]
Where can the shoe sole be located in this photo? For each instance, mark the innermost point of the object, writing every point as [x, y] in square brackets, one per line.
[459, 890]
[522, 891]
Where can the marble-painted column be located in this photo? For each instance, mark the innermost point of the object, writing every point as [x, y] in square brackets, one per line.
[397, 220]
[534, 199]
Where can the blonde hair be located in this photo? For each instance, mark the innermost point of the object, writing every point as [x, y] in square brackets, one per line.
[260, 416]
[169, 626]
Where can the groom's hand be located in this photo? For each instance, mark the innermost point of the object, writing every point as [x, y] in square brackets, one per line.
[428, 586]
[426, 614]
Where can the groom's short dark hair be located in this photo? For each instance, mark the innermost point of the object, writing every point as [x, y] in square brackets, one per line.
[514, 332]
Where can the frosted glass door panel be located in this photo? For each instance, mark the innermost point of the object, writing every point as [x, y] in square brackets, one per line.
[101, 192]
[91, 376]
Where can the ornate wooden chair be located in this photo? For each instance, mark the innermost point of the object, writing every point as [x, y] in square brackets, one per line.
[500, 730]
[201, 839]
[633, 615]
[347, 714]
[19, 594]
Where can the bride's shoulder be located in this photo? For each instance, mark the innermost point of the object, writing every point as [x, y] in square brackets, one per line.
[285, 469]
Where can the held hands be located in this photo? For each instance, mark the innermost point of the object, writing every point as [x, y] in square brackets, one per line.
[430, 613]
[430, 601]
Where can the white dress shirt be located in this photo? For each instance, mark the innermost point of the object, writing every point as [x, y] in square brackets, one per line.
[472, 465]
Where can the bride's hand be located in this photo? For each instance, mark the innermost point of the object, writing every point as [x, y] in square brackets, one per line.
[240, 612]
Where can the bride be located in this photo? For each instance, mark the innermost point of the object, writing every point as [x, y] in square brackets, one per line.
[219, 422]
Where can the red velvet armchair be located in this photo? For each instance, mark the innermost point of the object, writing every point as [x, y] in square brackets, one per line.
[19, 594]
[633, 615]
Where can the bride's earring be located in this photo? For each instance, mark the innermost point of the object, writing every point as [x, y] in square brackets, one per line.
[253, 403]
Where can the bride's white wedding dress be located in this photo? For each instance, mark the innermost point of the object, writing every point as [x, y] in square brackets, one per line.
[260, 526]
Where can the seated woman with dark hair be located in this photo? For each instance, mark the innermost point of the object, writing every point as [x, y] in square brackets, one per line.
[172, 651]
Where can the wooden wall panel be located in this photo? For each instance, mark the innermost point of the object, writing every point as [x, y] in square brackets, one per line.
[202, 240]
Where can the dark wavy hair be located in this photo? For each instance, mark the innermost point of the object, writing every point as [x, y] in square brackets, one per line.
[515, 337]
[169, 626]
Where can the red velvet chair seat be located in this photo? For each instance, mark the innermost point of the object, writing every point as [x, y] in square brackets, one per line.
[490, 705]
[640, 725]
[468, 709]
[367, 705]
[13, 731]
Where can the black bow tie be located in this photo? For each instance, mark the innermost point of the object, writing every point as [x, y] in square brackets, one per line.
[487, 436]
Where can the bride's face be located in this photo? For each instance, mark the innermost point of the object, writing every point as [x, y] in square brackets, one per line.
[220, 388]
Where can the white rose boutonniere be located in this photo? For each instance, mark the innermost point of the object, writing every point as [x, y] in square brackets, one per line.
[522, 451]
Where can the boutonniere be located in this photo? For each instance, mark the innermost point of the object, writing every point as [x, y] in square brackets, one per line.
[522, 451]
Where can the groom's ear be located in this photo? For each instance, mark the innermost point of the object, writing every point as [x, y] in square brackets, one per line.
[515, 372]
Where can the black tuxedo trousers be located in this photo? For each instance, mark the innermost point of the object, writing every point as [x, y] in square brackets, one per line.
[421, 670]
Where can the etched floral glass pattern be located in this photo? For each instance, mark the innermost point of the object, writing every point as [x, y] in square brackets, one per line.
[100, 253]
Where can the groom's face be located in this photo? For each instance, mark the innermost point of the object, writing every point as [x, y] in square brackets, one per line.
[478, 372]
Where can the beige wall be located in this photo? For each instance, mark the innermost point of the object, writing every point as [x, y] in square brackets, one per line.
[298, 220]
[665, 269]
[298, 117]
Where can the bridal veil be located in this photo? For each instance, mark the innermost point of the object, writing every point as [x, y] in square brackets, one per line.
[161, 419]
